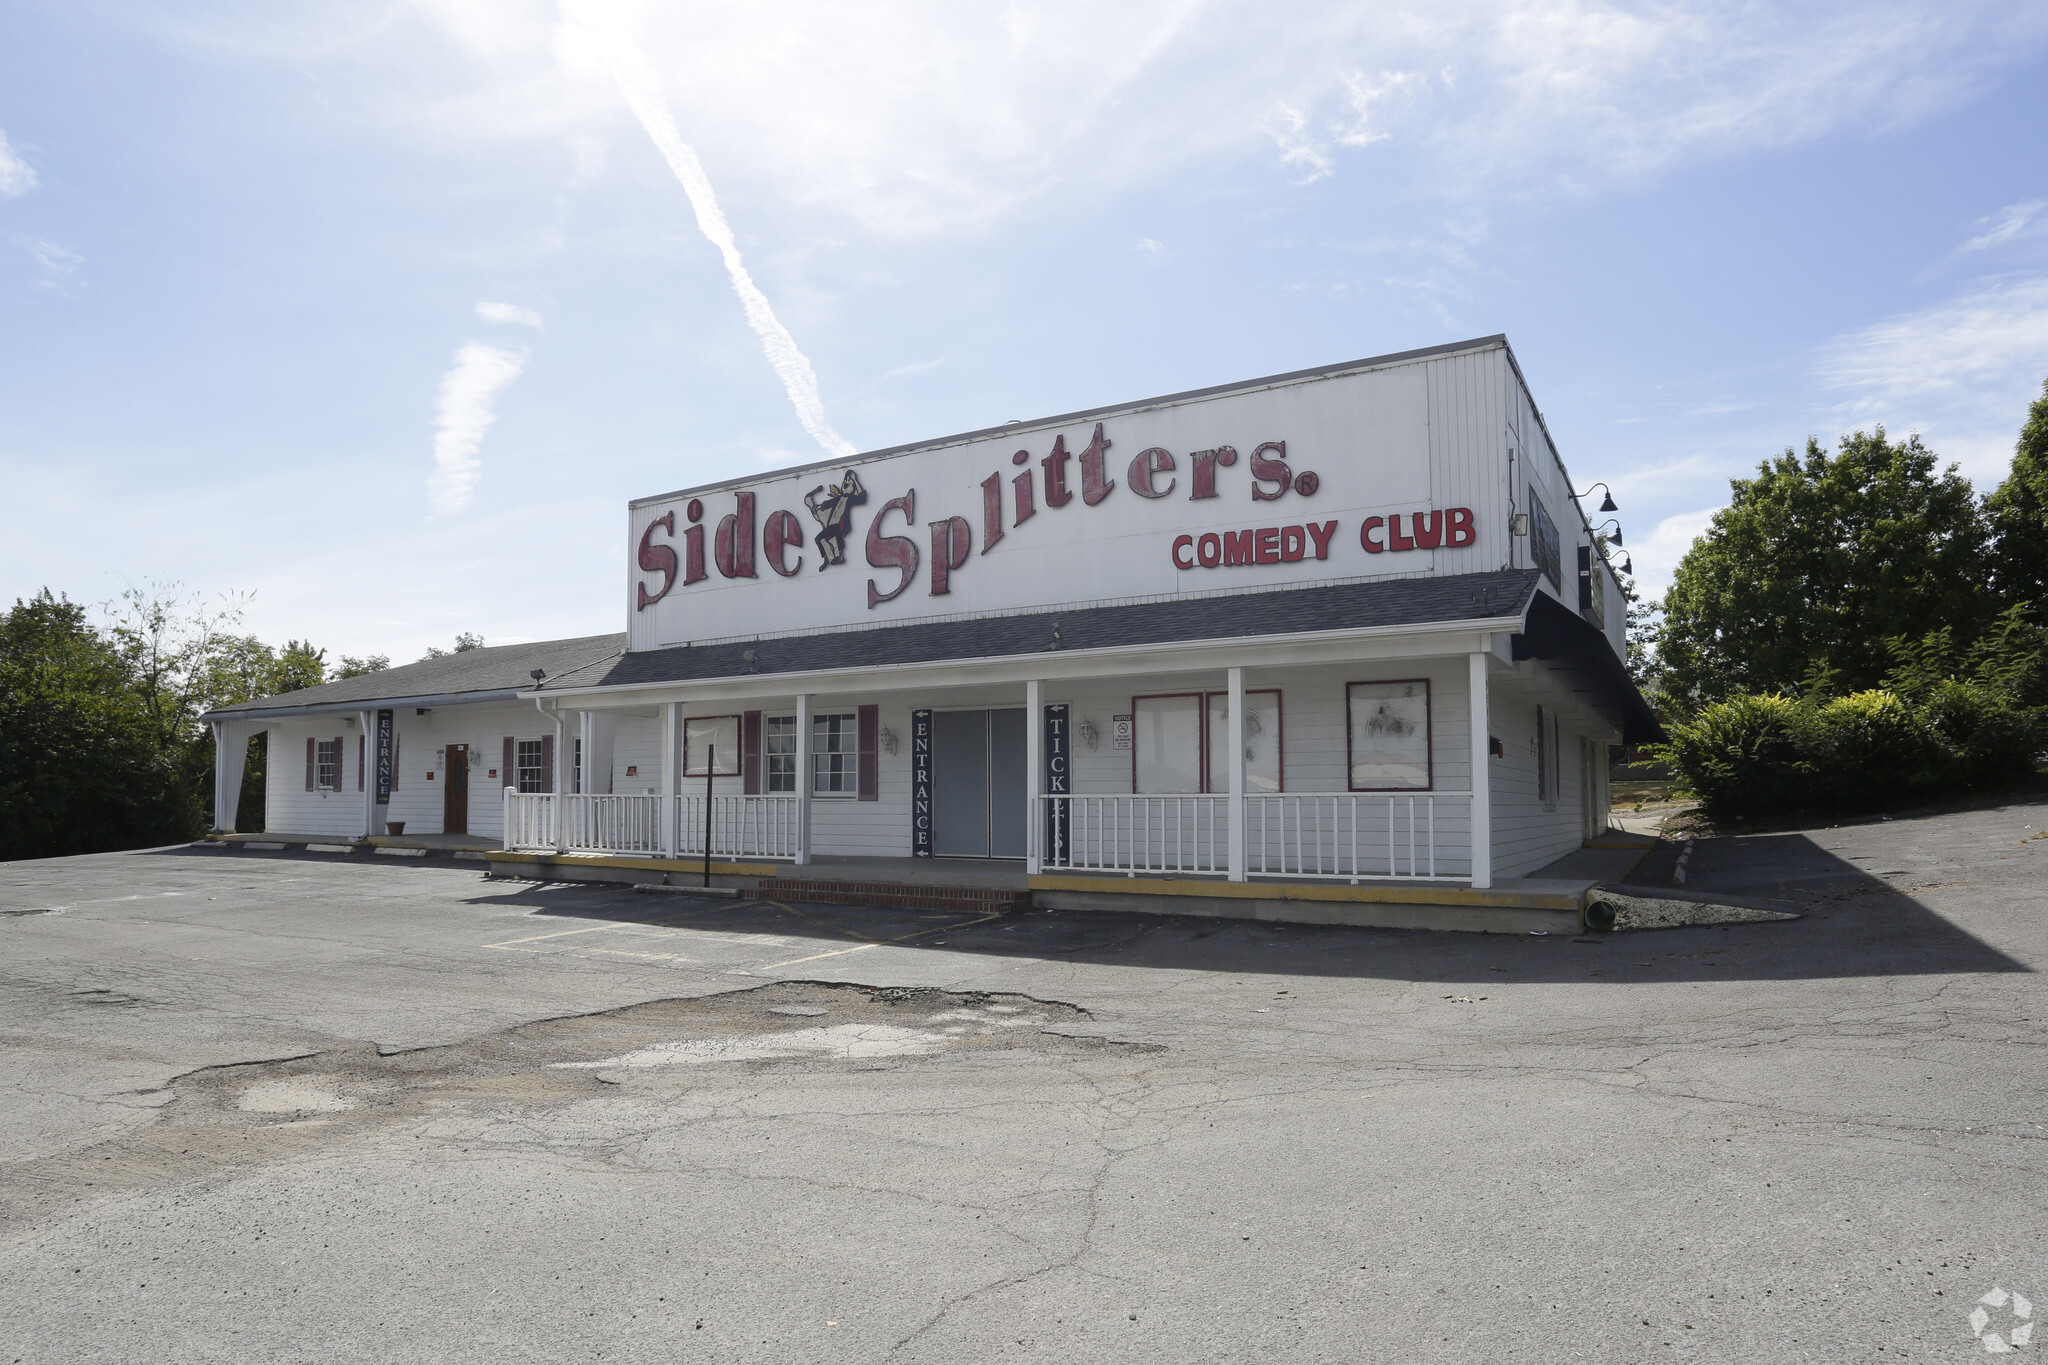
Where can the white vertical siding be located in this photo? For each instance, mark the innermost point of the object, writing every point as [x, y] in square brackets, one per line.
[290, 809]
[1468, 451]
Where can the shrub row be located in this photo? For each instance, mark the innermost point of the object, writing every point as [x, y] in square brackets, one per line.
[1766, 755]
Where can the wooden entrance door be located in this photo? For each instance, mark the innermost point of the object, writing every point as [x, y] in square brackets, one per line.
[455, 794]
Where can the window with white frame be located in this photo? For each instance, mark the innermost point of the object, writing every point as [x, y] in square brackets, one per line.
[711, 744]
[1181, 742]
[576, 766]
[327, 765]
[835, 754]
[779, 749]
[531, 777]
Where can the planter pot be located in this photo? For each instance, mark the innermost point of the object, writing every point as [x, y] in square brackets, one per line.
[394, 828]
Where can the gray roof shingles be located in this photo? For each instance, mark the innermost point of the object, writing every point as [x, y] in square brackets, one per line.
[1499, 595]
[495, 668]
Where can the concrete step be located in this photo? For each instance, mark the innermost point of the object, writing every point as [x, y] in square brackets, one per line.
[896, 895]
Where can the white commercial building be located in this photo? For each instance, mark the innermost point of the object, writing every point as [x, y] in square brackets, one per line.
[1345, 627]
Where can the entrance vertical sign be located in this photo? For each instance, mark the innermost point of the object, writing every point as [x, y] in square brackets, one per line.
[920, 784]
[385, 734]
[1057, 772]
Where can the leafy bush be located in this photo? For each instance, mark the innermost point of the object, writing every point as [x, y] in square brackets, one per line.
[1867, 749]
[1744, 756]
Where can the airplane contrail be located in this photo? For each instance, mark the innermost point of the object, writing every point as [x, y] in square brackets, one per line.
[629, 68]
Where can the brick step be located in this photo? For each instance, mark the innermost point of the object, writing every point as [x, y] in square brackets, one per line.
[896, 895]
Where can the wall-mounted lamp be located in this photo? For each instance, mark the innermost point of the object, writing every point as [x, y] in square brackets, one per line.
[537, 675]
[888, 738]
[421, 710]
[1607, 502]
[1090, 736]
[1518, 524]
[1614, 539]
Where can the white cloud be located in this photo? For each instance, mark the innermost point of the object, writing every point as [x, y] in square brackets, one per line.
[58, 265]
[1979, 343]
[17, 177]
[2006, 224]
[1152, 249]
[596, 36]
[917, 117]
[1656, 555]
[1961, 373]
[463, 411]
[508, 314]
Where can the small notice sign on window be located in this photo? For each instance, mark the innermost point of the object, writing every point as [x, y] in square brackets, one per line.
[1120, 733]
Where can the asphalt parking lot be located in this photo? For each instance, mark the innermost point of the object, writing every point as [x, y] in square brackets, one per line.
[271, 1108]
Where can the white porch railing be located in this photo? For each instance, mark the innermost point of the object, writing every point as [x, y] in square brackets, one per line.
[597, 823]
[1352, 836]
[1424, 836]
[1136, 833]
[529, 820]
[741, 826]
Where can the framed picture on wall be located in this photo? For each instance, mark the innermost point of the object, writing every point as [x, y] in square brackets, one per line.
[1388, 739]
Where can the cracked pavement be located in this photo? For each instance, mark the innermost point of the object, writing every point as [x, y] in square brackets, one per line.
[274, 1108]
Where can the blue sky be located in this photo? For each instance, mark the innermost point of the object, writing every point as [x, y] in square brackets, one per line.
[382, 311]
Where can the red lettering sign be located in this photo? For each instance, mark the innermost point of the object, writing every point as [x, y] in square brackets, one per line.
[654, 558]
[899, 552]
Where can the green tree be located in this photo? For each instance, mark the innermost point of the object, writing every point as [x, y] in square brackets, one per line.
[82, 765]
[2018, 512]
[1818, 560]
[464, 643]
[353, 667]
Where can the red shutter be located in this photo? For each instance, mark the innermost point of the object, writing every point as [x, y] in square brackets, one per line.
[361, 740]
[508, 776]
[337, 765]
[750, 753]
[547, 763]
[312, 762]
[867, 736]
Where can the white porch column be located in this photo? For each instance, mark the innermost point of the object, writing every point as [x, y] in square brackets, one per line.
[561, 765]
[1482, 773]
[672, 759]
[367, 721]
[1034, 777]
[1238, 861]
[803, 778]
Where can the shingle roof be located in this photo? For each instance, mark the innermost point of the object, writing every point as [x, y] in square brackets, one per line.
[1500, 595]
[496, 668]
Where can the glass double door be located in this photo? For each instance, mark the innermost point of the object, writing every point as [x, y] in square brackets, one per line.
[978, 784]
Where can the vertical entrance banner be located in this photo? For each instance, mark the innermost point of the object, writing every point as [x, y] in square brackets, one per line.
[920, 784]
[385, 741]
[1057, 772]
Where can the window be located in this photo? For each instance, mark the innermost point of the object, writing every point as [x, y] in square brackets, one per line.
[1543, 543]
[576, 763]
[712, 738]
[531, 778]
[835, 755]
[1182, 742]
[1389, 739]
[327, 765]
[779, 743]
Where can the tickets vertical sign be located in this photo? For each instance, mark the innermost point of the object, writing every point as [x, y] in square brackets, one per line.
[1058, 771]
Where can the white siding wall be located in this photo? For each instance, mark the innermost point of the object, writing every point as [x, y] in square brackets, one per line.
[1529, 832]
[1468, 413]
[290, 809]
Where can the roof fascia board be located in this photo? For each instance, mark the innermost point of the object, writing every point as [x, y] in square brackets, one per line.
[335, 708]
[1441, 638]
[1497, 340]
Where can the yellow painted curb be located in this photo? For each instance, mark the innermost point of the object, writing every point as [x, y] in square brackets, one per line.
[718, 869]
[1266, 891]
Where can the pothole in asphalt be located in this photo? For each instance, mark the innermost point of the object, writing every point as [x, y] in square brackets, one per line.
[226, 1119]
